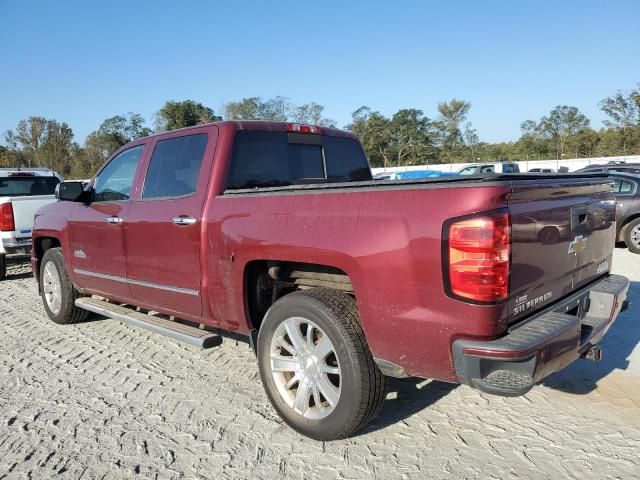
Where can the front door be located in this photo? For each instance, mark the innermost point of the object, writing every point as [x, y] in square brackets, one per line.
[96, 237]
[163, 227]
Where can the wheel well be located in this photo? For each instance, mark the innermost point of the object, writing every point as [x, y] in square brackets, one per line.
[266, 281]
[626, 222]
[41, 245]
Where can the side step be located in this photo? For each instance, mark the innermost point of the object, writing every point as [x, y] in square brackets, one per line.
[179, 331]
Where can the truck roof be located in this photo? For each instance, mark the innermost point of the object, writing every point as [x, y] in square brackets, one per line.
[264, 125]
[28, 172]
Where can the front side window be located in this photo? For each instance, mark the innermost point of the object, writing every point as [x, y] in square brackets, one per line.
[175, 167]
[116, 179]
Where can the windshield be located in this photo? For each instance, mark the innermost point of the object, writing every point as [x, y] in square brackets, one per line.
[27, 186]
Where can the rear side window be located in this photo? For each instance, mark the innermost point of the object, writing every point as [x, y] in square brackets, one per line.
[273, 159]
[27, 186]
[622, 186]
[174, 168]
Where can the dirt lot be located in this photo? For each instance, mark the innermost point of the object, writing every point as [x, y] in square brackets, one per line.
[105, 400]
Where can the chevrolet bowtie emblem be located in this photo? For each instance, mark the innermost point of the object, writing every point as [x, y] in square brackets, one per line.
[577, 245]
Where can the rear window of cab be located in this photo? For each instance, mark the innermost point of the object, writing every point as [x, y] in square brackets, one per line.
[274, 159]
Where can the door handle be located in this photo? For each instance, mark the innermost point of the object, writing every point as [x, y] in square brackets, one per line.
[184, 220]
[114, 220]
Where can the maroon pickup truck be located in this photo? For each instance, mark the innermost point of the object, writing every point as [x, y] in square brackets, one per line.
[278, 232]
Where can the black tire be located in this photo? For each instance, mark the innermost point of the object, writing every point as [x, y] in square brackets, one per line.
[3, 266]
[363, 384]
[549, 235]
[629, 228]
[68, 313]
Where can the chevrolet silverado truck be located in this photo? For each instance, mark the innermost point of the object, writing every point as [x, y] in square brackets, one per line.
[277, 231]
[22, 192]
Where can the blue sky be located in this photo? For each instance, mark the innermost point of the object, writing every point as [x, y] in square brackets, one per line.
[84, 61]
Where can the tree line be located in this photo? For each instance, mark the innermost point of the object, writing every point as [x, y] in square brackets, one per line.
[408, 137]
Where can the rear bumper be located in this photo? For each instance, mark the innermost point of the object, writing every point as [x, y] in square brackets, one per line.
[543, 344]
[12, 245]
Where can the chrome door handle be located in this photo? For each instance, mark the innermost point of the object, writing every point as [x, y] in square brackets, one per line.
[114, 220]
[184, 220]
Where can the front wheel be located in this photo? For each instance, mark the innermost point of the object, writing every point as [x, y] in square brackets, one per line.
[316, 366]
[57, 291]
[632, 236]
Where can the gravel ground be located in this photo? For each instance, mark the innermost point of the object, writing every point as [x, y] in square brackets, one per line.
[105, 400]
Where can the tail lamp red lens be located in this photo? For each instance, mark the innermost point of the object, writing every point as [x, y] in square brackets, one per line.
[478, 253]
[7, 223]
[303, 128]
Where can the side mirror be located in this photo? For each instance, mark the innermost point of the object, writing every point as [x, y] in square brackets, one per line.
[70, 191]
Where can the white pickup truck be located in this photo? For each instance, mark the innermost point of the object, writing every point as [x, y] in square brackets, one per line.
[22, 192]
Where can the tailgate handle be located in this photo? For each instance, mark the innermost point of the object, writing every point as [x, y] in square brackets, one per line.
[578, 217]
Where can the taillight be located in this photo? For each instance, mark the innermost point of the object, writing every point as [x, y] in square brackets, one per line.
[7, 224]
[478, 257]
[303, 128]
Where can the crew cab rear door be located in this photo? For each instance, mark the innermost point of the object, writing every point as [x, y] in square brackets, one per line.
[164, 225]
[562, 238]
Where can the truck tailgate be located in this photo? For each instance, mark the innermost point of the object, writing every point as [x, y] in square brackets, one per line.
[24, 209]
[563, 233]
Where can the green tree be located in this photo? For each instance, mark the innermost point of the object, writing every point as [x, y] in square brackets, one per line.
[411, 139]
[449, 127]
[187, 113]
[373, 130]
[562, 124]
[623, 111]
[113, 133]
[312, 113]
[42, 143]
[278, 109]
[471, 139]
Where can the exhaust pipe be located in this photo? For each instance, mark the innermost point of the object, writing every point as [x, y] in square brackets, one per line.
[594, 353]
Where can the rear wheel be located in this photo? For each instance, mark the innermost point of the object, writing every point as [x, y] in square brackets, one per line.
[316, 366]
[632, 236]
[3, 266]
[549, 235]
[57, 291]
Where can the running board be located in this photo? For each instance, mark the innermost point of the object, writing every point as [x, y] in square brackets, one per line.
[179, 331]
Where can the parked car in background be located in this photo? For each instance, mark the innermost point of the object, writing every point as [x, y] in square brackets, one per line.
[542, 170]
[22, 192]
[627, 192]
[278, 232]
[489, 168]
[414, 174]
[613, 167]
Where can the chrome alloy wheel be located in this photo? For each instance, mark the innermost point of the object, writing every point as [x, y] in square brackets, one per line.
[305, 368]
[635, 236]
[52, 288]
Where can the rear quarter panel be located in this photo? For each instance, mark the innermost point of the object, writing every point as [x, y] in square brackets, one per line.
[388, 240]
